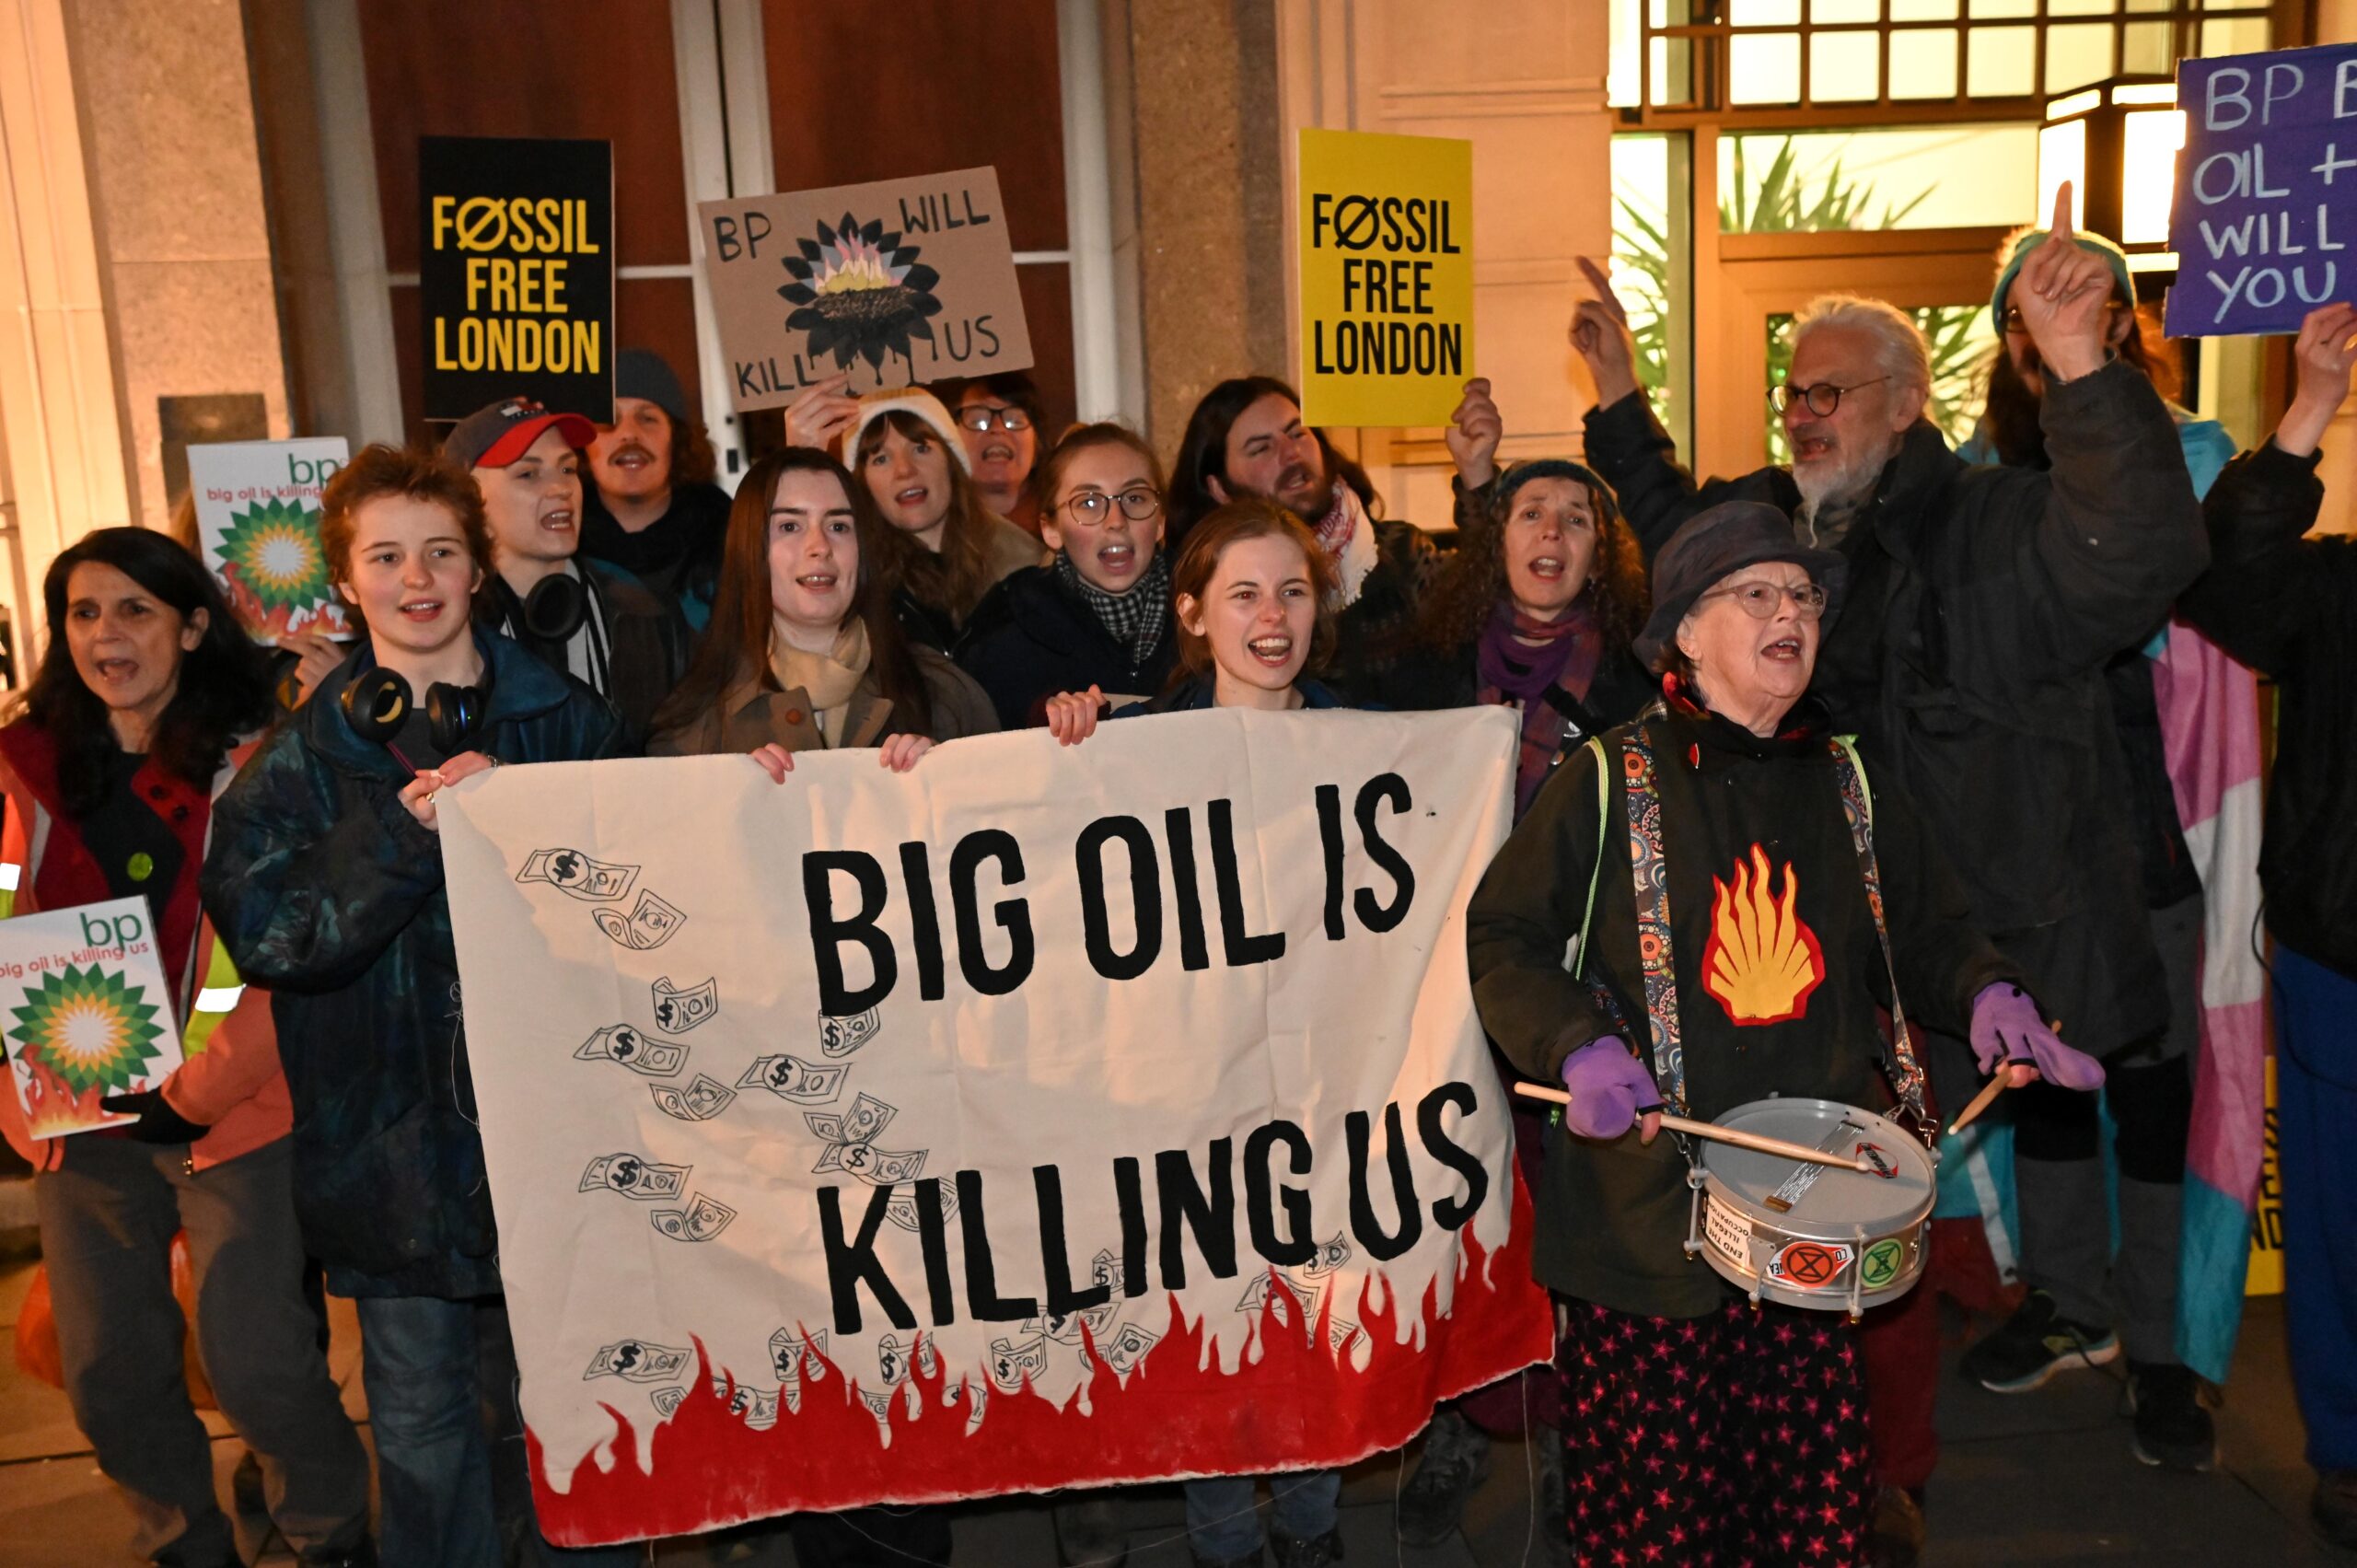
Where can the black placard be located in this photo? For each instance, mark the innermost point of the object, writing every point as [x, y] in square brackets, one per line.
[515, 267]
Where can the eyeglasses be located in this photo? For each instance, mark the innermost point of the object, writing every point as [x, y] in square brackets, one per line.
[1761, 600]
[1093, 506]
[2014, 322]
[980, 417]
[1820, 400]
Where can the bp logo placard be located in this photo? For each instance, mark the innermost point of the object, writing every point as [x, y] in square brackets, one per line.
[258, 528]
[85, 1012]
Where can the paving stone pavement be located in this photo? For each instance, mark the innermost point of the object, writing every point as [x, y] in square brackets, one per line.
[2042, 1479]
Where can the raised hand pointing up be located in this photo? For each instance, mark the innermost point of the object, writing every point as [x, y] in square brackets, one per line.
[2064, 291]
[1600, 332]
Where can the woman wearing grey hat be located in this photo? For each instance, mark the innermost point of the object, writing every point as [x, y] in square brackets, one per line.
[1733, 840]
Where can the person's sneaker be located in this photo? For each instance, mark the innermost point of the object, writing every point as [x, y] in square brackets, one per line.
[2034, 1344]
[1291, 1551]
[1898, 1531]
[2334, 1507]
[1089, 1533]
[2171, 1428]
[1456, 1459]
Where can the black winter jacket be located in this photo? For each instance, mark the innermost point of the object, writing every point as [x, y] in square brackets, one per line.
[328, 892]
[1377, 623]
[1032, 637]
[2287, 606]
[1612, 1216]
[677, 556]
[648, 641]
[1982, 606]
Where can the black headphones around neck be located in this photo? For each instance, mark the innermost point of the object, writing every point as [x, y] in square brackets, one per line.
[554, 609]
[377, 703]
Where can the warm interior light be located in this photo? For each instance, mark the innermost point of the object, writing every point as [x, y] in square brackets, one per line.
[2077, 103]
[2149, 142]
[2144, 92]
[2063, 155]
[2152, 262]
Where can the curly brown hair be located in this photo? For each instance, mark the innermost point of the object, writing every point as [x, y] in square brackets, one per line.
[1472, 581]
[695, 460]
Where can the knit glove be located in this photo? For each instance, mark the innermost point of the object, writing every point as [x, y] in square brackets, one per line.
[1609, 1088]
[2008, 1027]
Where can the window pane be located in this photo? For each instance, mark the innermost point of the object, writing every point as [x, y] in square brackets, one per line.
[2001, 62]
[2233, 35]
[1985, 8]
[1824, 13]
[1921, 10]
[1932, 177]
[1652, 267]
[1620, 75]
[2146, 49]
[2080, 7]
[1923, 64]
[1764, 13]
[2148, 4]
[1843, 66]
[1764, 68]
[2077, 53]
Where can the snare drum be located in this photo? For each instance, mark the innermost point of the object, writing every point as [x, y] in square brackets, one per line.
[1814, 1236]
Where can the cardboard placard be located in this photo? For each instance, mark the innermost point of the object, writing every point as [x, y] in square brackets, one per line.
[2266, 189]
[257, 527]
[898, 283]
[515, 271]
[86, 1012]
[1387, 277]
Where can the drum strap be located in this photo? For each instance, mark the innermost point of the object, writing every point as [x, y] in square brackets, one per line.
[1641, 804]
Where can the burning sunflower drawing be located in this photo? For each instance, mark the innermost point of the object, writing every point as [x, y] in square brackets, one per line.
[859, 293]
[271, 552]
[87, 1029]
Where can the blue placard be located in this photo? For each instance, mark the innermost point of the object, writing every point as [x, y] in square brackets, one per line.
[2266, 205]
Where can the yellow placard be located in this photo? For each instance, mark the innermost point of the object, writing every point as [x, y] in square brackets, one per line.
[1387, 277]
[2266, 1276]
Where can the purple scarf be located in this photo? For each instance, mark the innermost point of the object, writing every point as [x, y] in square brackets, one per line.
[1512, 670]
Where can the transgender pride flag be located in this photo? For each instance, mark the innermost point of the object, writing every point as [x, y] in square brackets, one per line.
[2208, 708]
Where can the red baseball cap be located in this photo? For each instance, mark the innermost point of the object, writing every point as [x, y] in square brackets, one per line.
[496, 436]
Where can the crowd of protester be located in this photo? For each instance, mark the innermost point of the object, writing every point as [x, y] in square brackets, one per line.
[1970, 632]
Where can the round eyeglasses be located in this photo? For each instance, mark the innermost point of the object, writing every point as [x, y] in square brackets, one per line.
[980, 417]
[1093, 506]
[1820, 400]
[1761, 600]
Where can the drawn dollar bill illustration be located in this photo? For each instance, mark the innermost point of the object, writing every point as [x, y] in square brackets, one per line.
[704, 1218]
[651, 922]
[790, 1077]
[794, 1357]
[1126, 1348]
[902, 1210]
[636, 1360]
[667, 1400]
[759, 1408]
[570, 871]
[700, 1101]
[1341, 1335]
[640, 1053]
[877, 1167]
[1331, 1255]
[633, 1176]
[1064, 1329]
[842, 1036]
[680, 1011]
[1012, 1361]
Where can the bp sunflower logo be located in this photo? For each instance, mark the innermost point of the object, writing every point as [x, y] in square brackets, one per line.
[273, 546]
[87, 1029]
[859, 293]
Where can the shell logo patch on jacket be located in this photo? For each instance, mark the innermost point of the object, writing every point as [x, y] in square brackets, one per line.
[1763, 960]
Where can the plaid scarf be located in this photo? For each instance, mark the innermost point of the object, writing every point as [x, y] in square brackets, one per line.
[1136, 618]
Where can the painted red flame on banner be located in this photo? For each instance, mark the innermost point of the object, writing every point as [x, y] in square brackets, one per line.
[1291, 1404]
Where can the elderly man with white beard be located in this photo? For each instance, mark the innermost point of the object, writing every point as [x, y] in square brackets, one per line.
[1982, 605]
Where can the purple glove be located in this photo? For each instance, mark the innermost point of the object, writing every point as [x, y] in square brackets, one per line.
[2006, 1027]
[1609, 1088]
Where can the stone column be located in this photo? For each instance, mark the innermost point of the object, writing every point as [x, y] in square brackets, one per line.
[183, 242]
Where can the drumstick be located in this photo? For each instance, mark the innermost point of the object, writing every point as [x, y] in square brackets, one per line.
[1712, 1130]
[1981, 1101]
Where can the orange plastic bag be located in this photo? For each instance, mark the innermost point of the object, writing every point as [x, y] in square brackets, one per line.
[36, 1352]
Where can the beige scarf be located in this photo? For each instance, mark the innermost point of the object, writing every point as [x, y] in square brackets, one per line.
[827, 680]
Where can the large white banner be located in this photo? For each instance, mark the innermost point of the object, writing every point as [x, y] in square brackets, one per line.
[1041, 1117]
